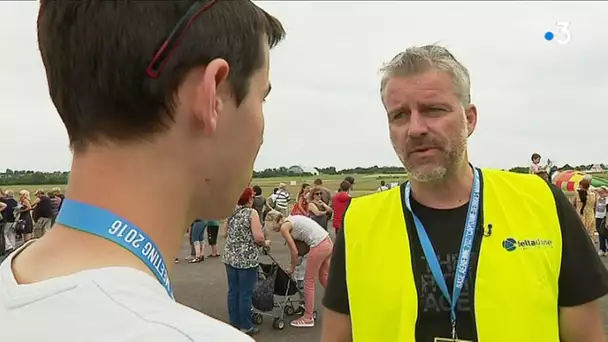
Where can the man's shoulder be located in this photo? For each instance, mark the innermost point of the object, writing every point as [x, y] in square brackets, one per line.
[125, 304]
[515, 179]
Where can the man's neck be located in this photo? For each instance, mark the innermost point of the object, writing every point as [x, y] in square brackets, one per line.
[453, 191]
[137, 191]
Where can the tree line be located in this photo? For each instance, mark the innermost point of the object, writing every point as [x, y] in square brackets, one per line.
[30, 177]
[330, 170]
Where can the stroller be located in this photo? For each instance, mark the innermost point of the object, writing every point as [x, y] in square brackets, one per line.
[276, 289]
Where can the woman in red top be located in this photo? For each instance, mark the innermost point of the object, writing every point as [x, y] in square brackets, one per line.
[301, 208]
[339, 202]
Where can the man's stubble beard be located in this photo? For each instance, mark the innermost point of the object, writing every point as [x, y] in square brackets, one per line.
[449, 164]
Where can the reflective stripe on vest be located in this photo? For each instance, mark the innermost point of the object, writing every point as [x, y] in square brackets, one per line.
[516, 283]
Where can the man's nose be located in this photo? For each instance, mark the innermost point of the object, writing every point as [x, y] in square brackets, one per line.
[417, 125]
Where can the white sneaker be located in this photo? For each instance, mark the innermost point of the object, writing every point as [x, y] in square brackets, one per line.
[601, 253]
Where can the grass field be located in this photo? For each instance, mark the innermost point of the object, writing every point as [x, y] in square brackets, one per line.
[364, 184]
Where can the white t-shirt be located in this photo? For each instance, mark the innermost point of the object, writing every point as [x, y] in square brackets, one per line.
[115, 304]
[600, 207]
[282, 199]
[382, 188]
[307, 230]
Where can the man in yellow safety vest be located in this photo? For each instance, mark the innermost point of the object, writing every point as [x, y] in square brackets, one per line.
[457, 253]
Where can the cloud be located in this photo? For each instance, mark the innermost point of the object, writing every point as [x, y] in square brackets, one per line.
[533, 95]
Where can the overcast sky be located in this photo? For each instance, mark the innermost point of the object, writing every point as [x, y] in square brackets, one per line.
[532, 95]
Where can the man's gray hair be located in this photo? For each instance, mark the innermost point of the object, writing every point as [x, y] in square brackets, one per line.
[419, 59]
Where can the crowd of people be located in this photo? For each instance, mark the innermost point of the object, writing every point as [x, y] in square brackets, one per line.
[302, 222]
[153, 98]
[24, 218]
[590, 203]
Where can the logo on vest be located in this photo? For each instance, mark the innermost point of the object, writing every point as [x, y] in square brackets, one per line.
[511, 244]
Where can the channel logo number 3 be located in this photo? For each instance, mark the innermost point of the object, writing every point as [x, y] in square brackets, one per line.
[563, 33]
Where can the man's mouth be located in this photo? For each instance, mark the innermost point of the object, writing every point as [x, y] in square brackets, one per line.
[423, 149]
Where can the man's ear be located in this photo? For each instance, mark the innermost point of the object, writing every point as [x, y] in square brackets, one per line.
[471, 115]
[208, 91]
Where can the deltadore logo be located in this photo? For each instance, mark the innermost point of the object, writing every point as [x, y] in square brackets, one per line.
[511, 244]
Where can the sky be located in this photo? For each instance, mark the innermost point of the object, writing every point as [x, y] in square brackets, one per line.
[532, 95]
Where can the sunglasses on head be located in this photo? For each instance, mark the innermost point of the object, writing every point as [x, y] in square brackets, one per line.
[170, 44]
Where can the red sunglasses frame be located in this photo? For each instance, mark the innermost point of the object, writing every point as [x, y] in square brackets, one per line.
[171, 43]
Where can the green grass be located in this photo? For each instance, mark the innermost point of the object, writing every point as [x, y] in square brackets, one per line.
[364, 184]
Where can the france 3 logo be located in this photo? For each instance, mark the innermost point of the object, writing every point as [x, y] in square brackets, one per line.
[561, 33]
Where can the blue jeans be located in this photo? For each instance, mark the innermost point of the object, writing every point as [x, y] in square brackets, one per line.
[241, 283]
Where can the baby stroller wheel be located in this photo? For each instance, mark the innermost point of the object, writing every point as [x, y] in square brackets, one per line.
[278, 324]
[300, 310]
[314, 314]
[258, 319]
[289, 310]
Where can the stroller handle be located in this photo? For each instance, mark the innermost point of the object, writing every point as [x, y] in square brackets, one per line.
[269, 255]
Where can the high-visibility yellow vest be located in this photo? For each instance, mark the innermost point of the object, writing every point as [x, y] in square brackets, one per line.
[516, 284]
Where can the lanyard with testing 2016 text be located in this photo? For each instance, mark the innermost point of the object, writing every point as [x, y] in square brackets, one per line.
[105, 224]
[465, 248]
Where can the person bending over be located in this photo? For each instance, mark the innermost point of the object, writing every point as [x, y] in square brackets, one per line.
[302, 228]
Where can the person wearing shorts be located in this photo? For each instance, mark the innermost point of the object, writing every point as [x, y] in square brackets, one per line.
[213, 227]
[197, 238]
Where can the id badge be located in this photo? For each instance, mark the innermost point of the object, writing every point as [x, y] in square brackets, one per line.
[443, 339]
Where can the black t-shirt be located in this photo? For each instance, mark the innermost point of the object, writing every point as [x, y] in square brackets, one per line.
[580, 265]
[8, 212]
[44, 208]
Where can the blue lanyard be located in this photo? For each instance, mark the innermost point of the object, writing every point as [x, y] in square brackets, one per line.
[103, 223]
[465, 248]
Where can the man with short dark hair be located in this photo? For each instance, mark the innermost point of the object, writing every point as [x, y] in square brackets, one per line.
[157, 97]
[351, 180]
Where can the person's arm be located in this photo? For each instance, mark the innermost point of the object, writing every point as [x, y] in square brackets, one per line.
[27, 205]
[312, 207]
[583, 279]
[256, 229]
[270, 202]
[293, 250]
[224, 229]
[301, 205]
[327, 209]
[2, 206]
[266, 205]
[336, 317]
